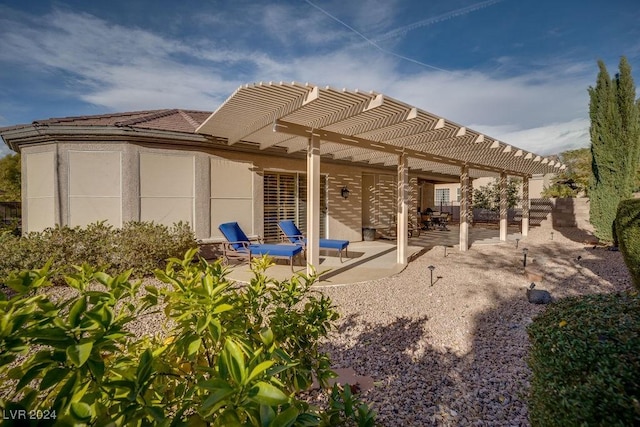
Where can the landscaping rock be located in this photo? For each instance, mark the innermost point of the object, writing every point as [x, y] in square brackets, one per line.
[538, 296]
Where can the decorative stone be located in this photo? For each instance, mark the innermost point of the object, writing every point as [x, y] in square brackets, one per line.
[538, 296]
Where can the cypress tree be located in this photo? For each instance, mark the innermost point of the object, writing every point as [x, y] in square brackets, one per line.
[615, 145]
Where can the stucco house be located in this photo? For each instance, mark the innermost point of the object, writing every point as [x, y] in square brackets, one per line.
[334, 161]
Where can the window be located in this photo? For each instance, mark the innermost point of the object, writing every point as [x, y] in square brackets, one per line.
[442, 196]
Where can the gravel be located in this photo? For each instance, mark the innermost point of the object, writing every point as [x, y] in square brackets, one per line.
[455, 353]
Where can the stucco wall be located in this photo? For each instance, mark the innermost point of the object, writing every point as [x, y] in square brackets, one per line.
[40, 194]
[76, 183]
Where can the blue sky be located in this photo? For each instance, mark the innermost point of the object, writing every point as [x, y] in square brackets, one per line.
[517, 70]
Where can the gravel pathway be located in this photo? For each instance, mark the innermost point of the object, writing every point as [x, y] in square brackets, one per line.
[455, 353]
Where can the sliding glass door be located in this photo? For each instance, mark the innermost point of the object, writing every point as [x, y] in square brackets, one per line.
[285, 198]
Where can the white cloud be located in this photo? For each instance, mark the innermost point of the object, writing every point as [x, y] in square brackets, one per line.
[124, 68]
[545, 140]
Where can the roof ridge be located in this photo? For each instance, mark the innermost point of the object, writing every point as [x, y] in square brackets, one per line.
[156, 115]
[189, 119]
[92, 116]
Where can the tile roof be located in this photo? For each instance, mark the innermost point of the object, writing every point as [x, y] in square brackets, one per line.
[169, 119]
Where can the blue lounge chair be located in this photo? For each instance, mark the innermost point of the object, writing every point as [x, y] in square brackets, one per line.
[294, 235]
[238, 245]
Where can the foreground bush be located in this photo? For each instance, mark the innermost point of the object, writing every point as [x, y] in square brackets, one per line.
[229, 356]
[139, 246]
[585, 359]
[628, 235]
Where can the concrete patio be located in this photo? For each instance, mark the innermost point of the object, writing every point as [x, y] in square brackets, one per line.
[371, 260]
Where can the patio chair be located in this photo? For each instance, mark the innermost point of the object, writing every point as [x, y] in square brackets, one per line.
[295, 236]
[441, 219]
[239, 246]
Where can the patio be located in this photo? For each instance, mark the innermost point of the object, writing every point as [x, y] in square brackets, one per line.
[372, 260]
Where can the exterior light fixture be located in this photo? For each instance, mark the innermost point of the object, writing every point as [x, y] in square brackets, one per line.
[344, 192]
[552, 235]
[431, 268]
[524, 260]
[517, 241]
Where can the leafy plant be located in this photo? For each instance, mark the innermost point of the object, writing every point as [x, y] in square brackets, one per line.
[627, 231]
[585, 359]
[139, 246]
[574, 180]
[10, 181]
[488, 196]
[228, 355]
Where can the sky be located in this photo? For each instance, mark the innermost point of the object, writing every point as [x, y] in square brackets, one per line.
[517, 70]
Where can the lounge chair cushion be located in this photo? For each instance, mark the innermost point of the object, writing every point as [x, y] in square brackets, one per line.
[285, 251]
[333, 244]
[233, 233]
[293, 233]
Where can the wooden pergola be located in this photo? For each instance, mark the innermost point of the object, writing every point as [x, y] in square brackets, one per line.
[371, 128]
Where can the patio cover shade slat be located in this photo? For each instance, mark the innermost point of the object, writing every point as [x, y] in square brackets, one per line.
[363, 127]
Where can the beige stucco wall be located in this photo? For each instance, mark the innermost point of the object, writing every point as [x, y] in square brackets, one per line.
[95, 187]
[232, 190]
[166, 184]
[38, 188]
[167, 187]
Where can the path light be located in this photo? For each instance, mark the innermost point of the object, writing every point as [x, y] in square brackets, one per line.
[552, 235]
[445, 251]
[431, 268]
[524, 260]
[517, 240]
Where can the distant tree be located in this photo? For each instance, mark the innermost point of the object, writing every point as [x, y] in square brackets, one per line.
[10, 178]
[574, 180]
[488, 196]
[615, 145]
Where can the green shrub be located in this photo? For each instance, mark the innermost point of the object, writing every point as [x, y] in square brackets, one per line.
[228, 355]
[585, 359]
[139, 246]
[628, 235]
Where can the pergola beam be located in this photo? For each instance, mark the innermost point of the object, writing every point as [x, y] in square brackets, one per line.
[381, 147]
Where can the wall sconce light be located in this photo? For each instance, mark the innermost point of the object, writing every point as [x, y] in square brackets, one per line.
[344, 192]
[524, 260]
[431, 268]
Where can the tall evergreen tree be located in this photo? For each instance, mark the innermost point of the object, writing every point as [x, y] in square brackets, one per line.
[615, 145]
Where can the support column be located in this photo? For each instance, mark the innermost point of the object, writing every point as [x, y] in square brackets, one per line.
[525, 206]
[403, 209]
[503, 207]
[464, 209]
[313, 204]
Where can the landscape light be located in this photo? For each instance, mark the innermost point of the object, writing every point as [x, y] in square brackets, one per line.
[431, 268]
[524, 260]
